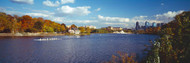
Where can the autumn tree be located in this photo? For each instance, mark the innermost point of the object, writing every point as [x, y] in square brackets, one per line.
[3, 21]
[173, 44]
[47, 26]
[38, 26]
[13, 24]
[82, 29]
[73, 26]
[63, 27]
[88, 30]
[27, 23]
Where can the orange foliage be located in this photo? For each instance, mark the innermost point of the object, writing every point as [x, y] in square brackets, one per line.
[123, 58]
[27, 23]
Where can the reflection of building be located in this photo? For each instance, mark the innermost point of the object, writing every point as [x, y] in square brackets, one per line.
[114, 28]
[153, 24]
[137, 25]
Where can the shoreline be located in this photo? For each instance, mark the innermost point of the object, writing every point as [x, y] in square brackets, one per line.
[31, 34]
[45, 34]
[38, 34]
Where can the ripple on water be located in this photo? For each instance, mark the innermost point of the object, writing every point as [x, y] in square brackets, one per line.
[94, 48]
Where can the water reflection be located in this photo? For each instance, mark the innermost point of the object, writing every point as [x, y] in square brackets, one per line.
[94, 48]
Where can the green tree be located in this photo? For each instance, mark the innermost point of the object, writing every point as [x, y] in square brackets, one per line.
[88, 30]
[82, 29]
[38, 26]
[174, 41]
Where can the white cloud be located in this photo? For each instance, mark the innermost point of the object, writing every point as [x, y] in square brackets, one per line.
[10, 12]
[162, 4]
[56, 3]
[40, 13]
[114, 23]
[80, 21]
[98, 9]
[139, 17]
[51, 4]
[37, 14]
[73, 11]
[47, 15]
[57, 19]
[113, 19]
[143, 19]
[23, 1]
[67, 1]
[43, 11]
[166, 17]
[169, 14]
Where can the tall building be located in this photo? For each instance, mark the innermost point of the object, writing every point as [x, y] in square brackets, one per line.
[162, 24]
[154, 24]
[137, 25]
[158, 25]
[146, 25]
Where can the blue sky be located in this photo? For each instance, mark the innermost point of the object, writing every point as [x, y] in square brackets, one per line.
[99, 13]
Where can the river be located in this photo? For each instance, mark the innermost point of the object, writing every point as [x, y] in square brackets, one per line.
[94, 48]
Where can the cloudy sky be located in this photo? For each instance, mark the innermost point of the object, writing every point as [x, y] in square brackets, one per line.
[99, 13]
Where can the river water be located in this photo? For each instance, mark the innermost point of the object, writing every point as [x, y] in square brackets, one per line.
[94, 48]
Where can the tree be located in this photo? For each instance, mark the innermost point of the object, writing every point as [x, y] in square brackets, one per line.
[174, 41]
[13, 22]
[63, 27]
[38, 26]
[27, 23]
[88, 30]
[73, 26]
[82, 29]
[3, 21]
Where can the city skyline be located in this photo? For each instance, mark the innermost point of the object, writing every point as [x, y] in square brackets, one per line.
[122, 13]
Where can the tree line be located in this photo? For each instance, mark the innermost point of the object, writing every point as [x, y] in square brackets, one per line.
[14, 24]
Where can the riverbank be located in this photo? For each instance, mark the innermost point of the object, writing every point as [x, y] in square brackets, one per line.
[31, 34]
[44, 34]
[40, 34]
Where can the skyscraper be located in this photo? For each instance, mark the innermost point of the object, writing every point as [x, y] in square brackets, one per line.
[137, 25]
[146, 25]
[153, 24]
[158, 25]
[162, 24]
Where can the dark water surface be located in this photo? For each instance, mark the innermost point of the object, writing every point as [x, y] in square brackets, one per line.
[94, 48]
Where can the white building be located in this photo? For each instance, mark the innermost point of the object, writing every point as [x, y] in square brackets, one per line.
[74, 31]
